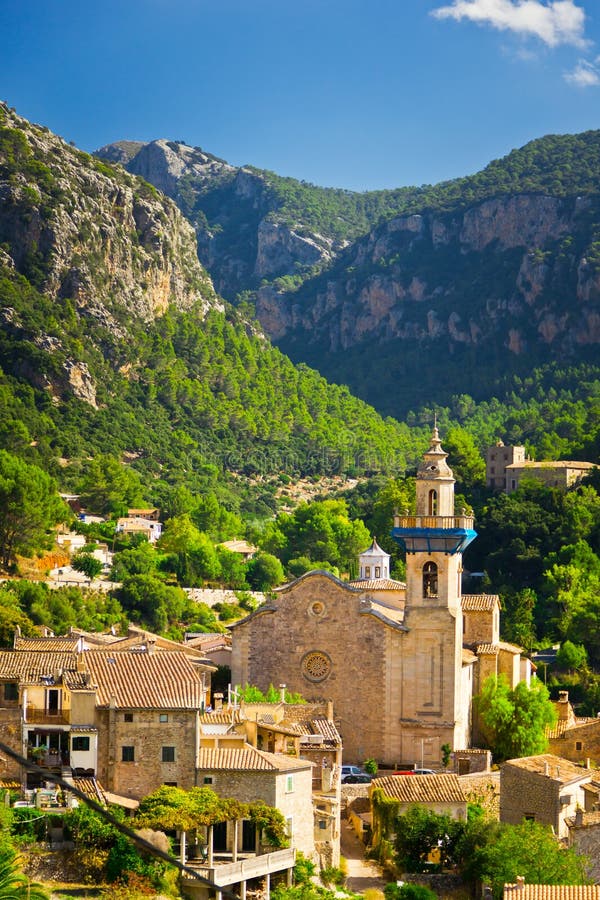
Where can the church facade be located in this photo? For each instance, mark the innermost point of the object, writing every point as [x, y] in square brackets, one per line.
[401, 662]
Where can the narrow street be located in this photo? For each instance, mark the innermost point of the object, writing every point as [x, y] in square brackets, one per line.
[362, 873]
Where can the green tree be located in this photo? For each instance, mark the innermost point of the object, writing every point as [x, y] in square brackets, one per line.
[264, 572]
[418, 832]
[530, 850]
[571, 656]
[110, 488]
[514, 721]
[89, 565]
[29, 508]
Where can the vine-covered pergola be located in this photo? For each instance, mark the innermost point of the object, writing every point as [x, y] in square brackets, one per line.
[198, 810]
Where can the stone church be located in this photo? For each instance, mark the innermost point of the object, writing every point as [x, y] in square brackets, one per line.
[401, 662]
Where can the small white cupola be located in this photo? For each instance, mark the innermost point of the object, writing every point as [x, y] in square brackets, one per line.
[374, 563]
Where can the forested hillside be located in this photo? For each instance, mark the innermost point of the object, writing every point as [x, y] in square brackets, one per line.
[485, 277]
[113, 341]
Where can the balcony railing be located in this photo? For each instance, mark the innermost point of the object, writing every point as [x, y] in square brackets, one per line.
[449, 522]
[244, 869]
[47, 716]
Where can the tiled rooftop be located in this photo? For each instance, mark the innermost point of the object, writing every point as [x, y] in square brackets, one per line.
[42, 644]
[247, 759]
[480, 602]
[422, 788]
[494, 649]
[145, 680]
[553, 767]
[378, 584]
[552, 892]
[31, 665]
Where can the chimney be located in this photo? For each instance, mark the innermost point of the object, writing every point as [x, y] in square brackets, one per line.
[282, 693]
[579, 816]
[520, 882]
[218, 698]
[330, 710]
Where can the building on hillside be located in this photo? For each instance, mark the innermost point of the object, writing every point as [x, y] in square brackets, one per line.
[148, 528]
[391, 656]
[506, 467]
[544, 789]
[553, 473]
[497, 459]
[152, 514]
[242, 548]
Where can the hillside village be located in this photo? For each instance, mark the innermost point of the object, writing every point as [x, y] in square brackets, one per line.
[257, 638]
[369, 673]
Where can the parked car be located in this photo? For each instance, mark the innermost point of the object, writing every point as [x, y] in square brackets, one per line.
[355, 775]
[360, 778]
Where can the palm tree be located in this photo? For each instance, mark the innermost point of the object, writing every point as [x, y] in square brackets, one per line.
[13, 884]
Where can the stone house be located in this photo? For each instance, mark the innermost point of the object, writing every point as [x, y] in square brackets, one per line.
[148, 528]
[301, 731]
[584, 837]
[400, 662]
[441, 794]
[545, 789]
[577, 739]
[552, 473]
[247, 774]
[128, 718]
[497, 459]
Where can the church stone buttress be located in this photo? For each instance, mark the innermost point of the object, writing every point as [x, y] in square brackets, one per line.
[434, 710]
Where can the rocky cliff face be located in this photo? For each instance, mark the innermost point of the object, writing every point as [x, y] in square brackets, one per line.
[107, 240]
[95, 238]
[513, 270]
[241, 238]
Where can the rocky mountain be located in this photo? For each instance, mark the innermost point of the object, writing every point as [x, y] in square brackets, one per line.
[492, 273]
[254, 226]
[113, 340]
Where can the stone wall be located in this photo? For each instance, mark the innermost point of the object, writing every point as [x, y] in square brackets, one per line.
[147, 735]
[579, 744]
[318, 644]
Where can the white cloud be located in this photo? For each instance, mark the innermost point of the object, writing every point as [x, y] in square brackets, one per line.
[585, 74]
[554, 22]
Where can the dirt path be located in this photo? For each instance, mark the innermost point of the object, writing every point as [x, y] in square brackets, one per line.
[362, 873]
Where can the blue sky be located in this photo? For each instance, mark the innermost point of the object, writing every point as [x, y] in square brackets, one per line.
[359, 94]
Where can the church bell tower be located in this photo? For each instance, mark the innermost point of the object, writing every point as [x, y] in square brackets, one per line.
[436, 694]
[435, 538]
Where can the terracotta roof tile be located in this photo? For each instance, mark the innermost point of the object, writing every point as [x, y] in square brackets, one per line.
[552, 892]
[55, 644]
[221, 717]
[480, 602]
[30, 665]
[145, 680]
[422, 788]
[494, 649]
[327, 729]
[378, 584]
[247, 759]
